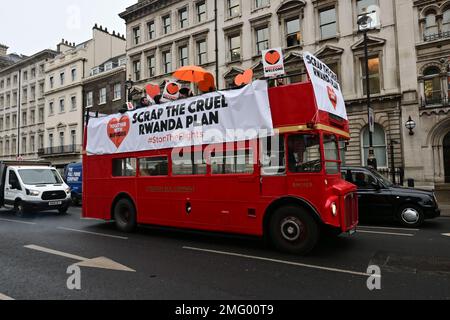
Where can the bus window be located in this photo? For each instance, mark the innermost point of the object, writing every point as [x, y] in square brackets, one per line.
[330, 146]
[304, 153]
[124, 167]
[273, 159]
[189, 164]
[242, 162]
[154, 167]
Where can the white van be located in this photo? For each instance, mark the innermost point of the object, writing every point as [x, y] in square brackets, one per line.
[32, 187]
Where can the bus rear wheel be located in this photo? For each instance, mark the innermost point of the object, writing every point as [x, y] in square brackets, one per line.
[125, 215]
[293, 230]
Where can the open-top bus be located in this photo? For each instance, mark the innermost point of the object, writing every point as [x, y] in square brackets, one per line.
[285, 186]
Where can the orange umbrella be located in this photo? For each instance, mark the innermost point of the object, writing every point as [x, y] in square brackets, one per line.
[190, 74]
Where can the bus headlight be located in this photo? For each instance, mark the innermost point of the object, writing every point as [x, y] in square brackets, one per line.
[334, 209]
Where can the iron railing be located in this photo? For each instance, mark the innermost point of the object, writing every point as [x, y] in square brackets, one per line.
[61, 150]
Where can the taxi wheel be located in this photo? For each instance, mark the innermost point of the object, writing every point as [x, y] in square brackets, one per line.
[410, 216]
[125, 215]
[293, 230]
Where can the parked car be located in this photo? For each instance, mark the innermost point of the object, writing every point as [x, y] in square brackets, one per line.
[380, 198]
[73, 175]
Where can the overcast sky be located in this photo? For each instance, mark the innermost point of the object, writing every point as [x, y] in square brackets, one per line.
[29, 26]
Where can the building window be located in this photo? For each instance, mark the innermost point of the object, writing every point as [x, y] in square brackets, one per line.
[61, 139]
[137, 70]
[24, 118]
[183, 16]
[363, 6]
[102, 96]
[14, 121]
[32, 116]
[166, 24]
[379, 145]
[52, 82]
[89, 99]
[41, 141]
[7, 147]
[33, 73]
[74, 74]
[446, 23]
[24, 145]
[293, 32]
[151, 62]
[234, 43]
[41, 115]
[32, 144]
[41, 90]
[117, 91]
[7, 122]
[201, 52]
[73, 137]
[167, 61]
[261, 3]
[50, 141]
[51, 109]
[14, 146]
[25, 75]
[183, 55]
[1, 148]
[1, 124]
[328, 25]
[234, 8]
[374, 75]
[33, 93]
[262, 40]
[432, 85]
[137, 35]
[15, 80]
[151, 30]
[431, 27]
[61, 78]
[25, 95]
[62, 107]
[73, 103]
[201, 11]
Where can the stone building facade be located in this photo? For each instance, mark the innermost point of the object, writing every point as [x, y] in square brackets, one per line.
[22, 106]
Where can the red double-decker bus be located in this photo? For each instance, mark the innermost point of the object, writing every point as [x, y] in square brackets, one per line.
[288, 187]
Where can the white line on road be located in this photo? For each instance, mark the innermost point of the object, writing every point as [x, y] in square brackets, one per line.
[387, 233]
[3, 297]
[18, 221]
[310, 266]
[446, 234]
[387, 228]
[58, 253]
[93, 233]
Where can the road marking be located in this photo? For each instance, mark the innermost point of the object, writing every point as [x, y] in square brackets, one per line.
[5, 298]
[93, 233]
[297, 264]
[387, 233]
[18, 221]
[99, 263]
[446, 234]
[387, 228]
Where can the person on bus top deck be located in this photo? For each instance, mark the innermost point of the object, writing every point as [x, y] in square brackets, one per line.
[144, 103]
[185, 93]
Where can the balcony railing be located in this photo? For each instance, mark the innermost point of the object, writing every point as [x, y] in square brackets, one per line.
[436, 36]
[434, 102]
[62, 150]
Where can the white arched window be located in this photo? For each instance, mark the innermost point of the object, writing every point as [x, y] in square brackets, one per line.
[446, 22]
[431, 26]
[379, 145]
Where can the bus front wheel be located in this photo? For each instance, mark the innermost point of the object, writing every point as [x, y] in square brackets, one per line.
[293, 230]
[125, 215]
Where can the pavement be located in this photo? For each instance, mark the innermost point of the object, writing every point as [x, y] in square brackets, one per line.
[46, 255]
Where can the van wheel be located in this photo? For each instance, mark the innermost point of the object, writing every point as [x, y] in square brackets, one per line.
[125, 215]
[410, 216]
[19, 210]
[63, 210]
[293, 230]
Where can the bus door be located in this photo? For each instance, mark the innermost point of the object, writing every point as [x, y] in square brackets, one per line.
[273, 166]
[234, 186]
[304, 167]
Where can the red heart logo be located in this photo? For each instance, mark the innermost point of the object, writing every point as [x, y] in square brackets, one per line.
[118, 130]
[272, 57]
[173, 88]
[244, 78]
[152, 90]
[332, 96]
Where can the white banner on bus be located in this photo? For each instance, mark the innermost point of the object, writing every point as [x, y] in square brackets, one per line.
[326, 85]
[223, 116]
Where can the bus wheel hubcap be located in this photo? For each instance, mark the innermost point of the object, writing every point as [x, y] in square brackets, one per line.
[291, 229]
[410, 215]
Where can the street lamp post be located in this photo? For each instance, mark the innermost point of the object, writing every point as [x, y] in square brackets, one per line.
[364, 23]
[128, 86]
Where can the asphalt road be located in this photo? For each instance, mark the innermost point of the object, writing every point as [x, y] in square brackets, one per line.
[169, 264]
